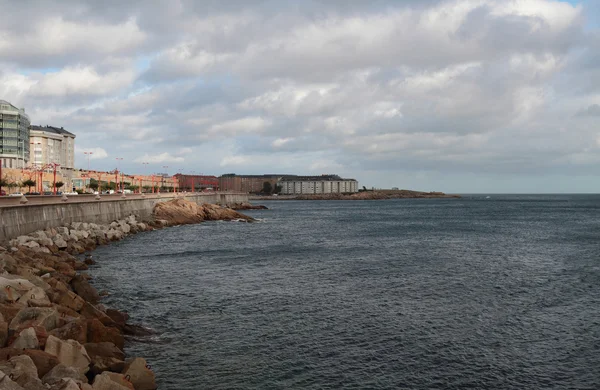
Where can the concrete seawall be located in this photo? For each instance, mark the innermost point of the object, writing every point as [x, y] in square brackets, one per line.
[45, 212]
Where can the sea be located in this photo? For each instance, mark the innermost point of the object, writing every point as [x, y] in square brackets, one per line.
[482, 292]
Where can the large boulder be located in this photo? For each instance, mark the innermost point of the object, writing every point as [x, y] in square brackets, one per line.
[106, 382]
[61, 372]
[74, 330]
[23, 371]
[105, 357]
[70, 353]
[20, 285]
[69, 299]
[85, 290]
[98, 333]
[8, 384]
[125, 228]
[43, 361]
[60, 242]
[140, 374]
[34, 316]
[120, 318]
[27, 339]
[36, 294]
[90, 312]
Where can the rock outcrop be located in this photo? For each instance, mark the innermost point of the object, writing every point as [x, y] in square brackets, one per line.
[246, 206]
[181, 212]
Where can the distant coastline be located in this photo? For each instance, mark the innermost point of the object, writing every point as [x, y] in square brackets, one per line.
[363, 195]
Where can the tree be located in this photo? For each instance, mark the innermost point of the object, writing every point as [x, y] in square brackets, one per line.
[3, 182]
[267, 187]
[12, 185]
[59, 184]
[93, 185]
[277, 189]
[28, 183]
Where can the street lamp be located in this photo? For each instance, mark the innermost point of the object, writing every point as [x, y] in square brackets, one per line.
[116, 183]
[88, 157]
[34, 143]
[145, 173]
[22, 154]
[163, 178]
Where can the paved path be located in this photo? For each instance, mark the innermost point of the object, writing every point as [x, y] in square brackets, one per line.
[11, 201]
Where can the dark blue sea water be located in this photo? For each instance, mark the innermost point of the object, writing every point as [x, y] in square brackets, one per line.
[473, 293]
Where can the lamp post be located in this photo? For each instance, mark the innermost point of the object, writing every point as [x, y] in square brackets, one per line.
[54, 165]
[22, 154]
[163, 178]
[33, 143]
[145, 173]
[117, 177]
[88, 157]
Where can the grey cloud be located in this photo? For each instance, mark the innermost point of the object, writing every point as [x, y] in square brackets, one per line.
[593, 110]
[352, 85]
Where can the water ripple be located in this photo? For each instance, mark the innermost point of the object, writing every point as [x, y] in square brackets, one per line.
[498, 293]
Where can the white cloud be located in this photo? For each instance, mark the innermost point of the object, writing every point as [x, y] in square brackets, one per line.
[80, 81]
[447, 86]
[164, 157]
[230, 161]
[96, 153]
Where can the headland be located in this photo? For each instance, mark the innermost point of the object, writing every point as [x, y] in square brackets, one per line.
[362, 195]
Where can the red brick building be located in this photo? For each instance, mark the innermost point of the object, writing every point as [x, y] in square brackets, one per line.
[197, 182]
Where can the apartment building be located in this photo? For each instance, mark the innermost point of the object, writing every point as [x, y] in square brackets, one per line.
[52, 145]
[14, 135]
[324, 184]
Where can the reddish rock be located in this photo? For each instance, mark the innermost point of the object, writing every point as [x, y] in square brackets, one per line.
[98, 333]
[105, 356]
[80, 266]
[65, 314]
[65, 269]
[43, 361]
[90, 312]
[8, 311]
[40, 333]
[3, 332]
[120, 318]
[85, 290]
[69, 299]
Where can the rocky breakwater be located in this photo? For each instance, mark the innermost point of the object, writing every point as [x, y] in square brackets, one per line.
[54, 332]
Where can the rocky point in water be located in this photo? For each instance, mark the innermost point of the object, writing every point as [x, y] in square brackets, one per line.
[181, 211]
[247, 206]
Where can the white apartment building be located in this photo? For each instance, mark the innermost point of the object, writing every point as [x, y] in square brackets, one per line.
[14, 135]
[51, 145]
[325, 184]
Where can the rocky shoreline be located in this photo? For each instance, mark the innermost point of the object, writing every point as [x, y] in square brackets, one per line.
[54, 332]
[363, 195]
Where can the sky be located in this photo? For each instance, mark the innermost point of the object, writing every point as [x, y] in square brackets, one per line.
[460, 96]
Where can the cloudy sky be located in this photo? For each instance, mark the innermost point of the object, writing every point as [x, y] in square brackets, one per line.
[458, 95]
